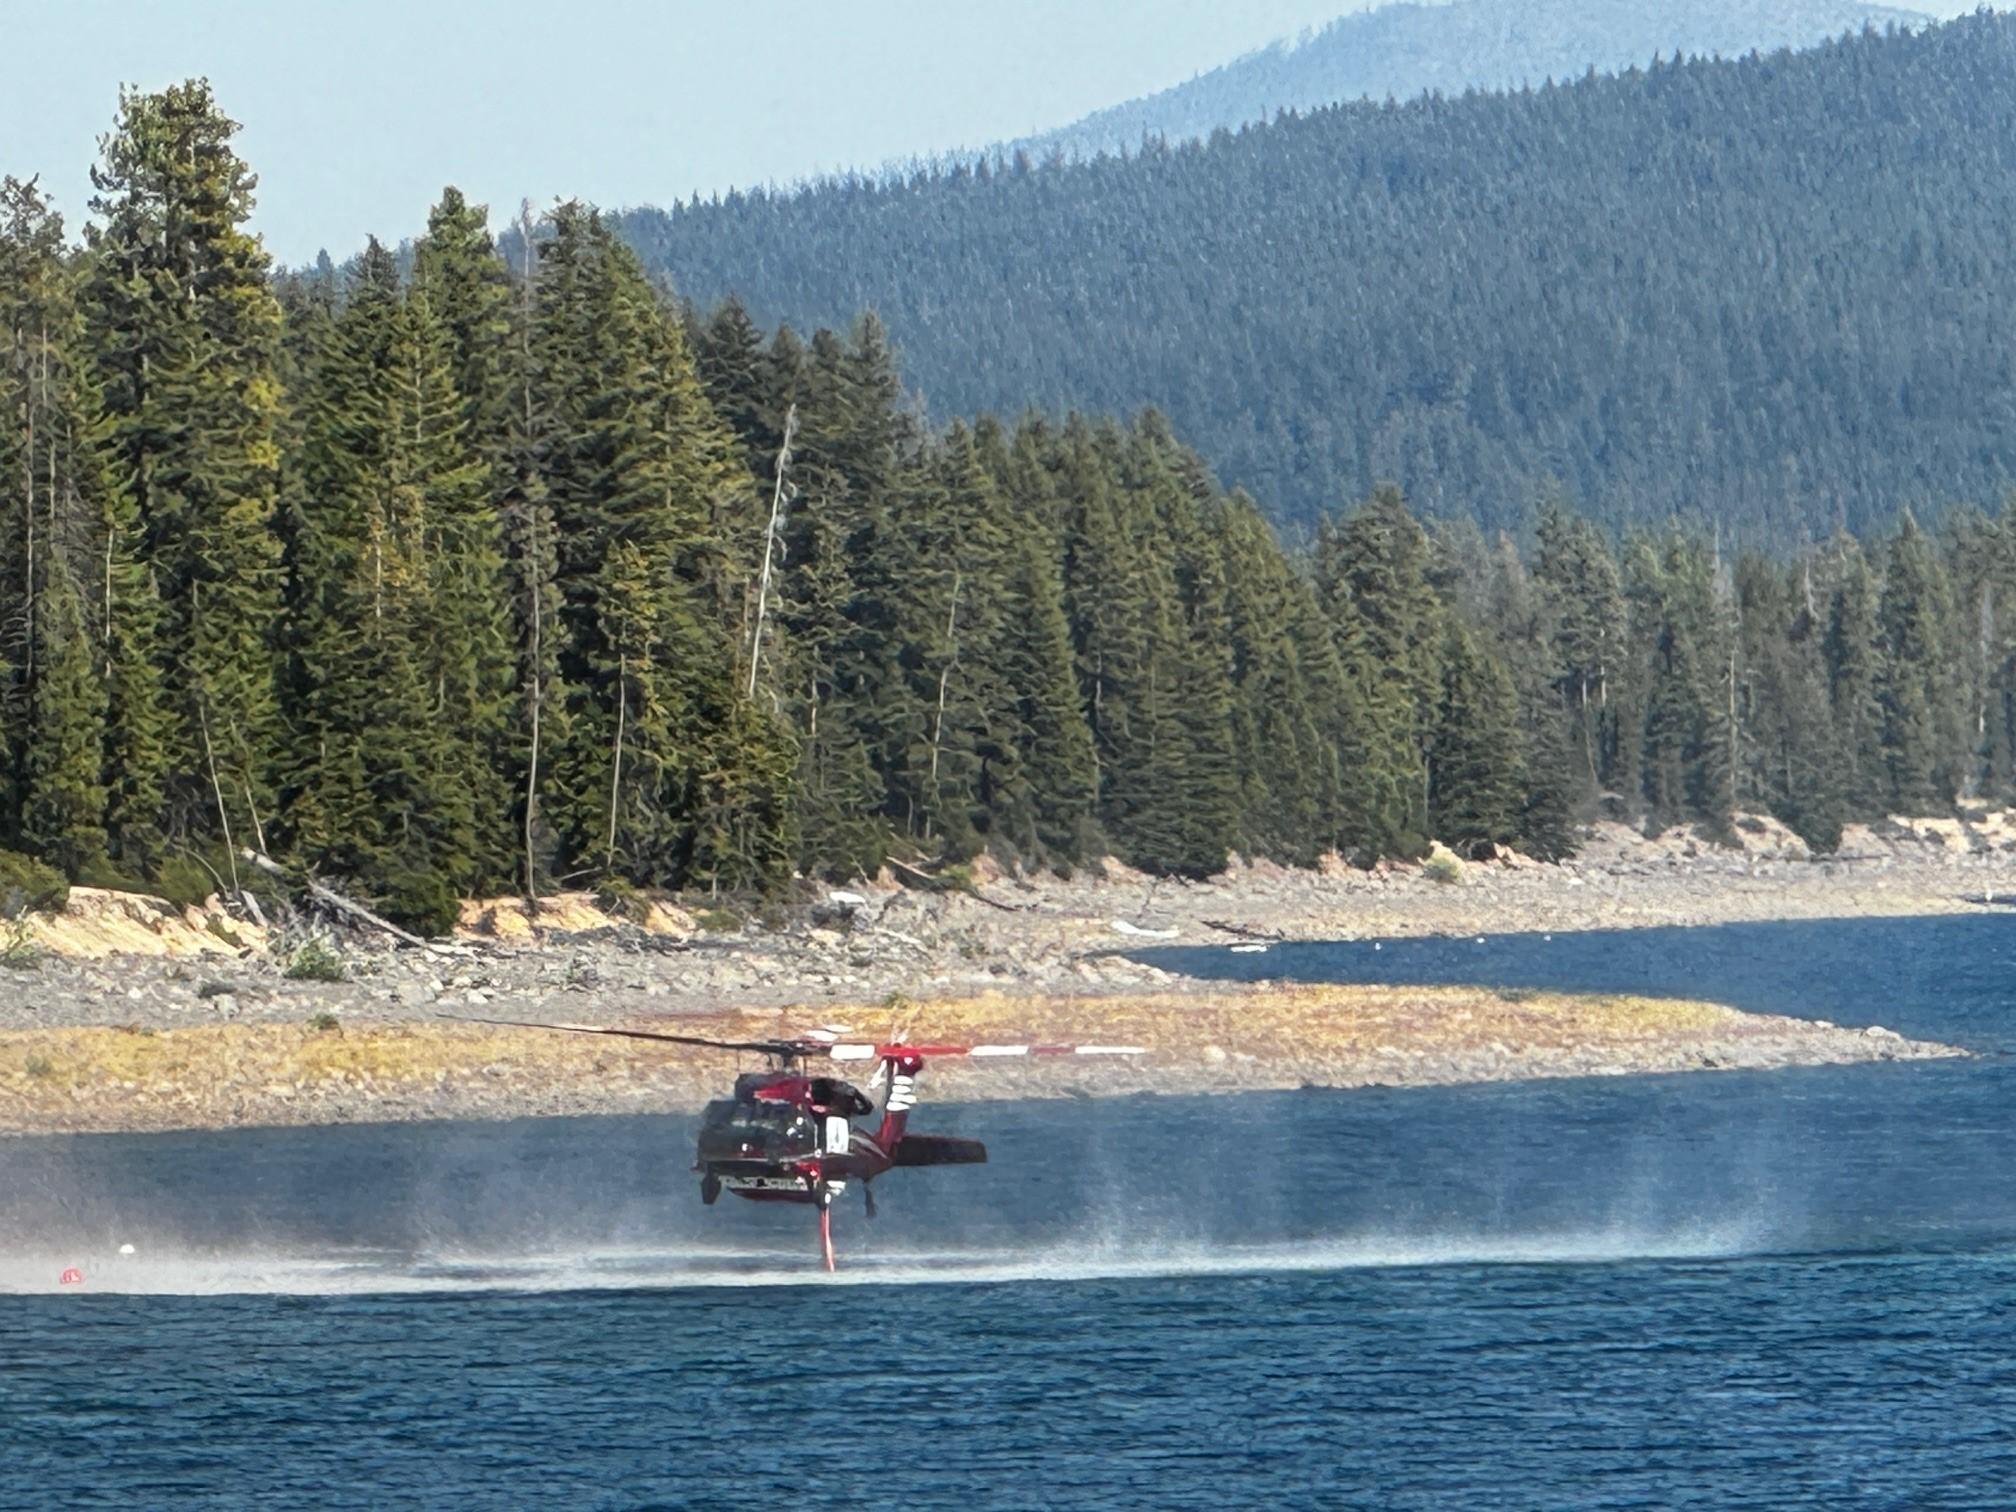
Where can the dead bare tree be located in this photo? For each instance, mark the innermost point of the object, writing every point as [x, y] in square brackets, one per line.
[778, 498]
[535, 590]
[945, 674]
[616, 770]
[217, 787]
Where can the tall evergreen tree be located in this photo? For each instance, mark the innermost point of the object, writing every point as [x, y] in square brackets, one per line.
[1371, 569]
[450, 357]
[1921, 735]
[1857, 671]
[63, 816]
[635, 480]
[366, 789]
[183, 329]
[1477, 768]
[1577, 577]
[77, 609]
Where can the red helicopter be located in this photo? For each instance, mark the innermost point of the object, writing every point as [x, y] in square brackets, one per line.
[786, 1135]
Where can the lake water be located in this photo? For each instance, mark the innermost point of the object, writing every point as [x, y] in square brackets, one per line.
[1723, 1289]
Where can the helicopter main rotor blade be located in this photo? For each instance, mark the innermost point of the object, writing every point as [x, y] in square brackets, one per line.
[813, 1048]
[760, 1047]
[977, 1052]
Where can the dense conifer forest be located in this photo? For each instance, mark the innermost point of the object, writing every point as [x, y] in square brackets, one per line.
[1769, 293]
[488, 573]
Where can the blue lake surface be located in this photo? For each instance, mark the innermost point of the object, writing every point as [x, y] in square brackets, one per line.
[1725, 1289]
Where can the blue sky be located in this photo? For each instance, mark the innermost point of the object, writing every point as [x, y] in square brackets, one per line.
[356, 114]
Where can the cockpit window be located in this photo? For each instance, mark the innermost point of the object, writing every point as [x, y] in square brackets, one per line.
[757, 1130]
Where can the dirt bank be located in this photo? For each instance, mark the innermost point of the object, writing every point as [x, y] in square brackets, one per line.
[113, 959]
[217, 1075]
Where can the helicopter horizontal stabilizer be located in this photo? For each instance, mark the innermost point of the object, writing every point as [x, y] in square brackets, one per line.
[937, 1150]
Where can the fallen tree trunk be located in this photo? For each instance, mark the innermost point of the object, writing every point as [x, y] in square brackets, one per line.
[1273, 936]
[939, 884]
[341, 904]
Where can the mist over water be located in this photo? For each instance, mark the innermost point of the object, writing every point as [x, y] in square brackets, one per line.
[1737, 1288]
[1575, 1172]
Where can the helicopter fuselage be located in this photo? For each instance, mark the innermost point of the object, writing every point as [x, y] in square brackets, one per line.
[787, 1137]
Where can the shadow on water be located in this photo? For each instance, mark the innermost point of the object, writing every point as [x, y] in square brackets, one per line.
[1939, 978]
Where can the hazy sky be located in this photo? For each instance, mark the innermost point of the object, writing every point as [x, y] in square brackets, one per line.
[355, 115]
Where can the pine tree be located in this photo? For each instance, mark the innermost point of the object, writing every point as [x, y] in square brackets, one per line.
[364, 793]
[1371, 573]
[1285, 762]
[531, 547]
[464, 645]
[1801, 770]
[1049, 815]
[728, 353]
[1477, 770]
[636, 478]
[1109, 599]
[1172, 801]
[1921, 736]
[835, 605]
[65, 528]
[1857, 671]
[63, 815]
[1678, 660]
[183, 329]
[1578, 580]
[31, 239]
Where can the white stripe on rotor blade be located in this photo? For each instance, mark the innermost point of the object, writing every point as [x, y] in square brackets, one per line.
[851, 1052]
[999, 1050]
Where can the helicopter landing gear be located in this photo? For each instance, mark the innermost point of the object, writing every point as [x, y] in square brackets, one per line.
[868, 1195]
[710, 1188]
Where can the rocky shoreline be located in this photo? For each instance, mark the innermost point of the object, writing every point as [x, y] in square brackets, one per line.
[119, 966]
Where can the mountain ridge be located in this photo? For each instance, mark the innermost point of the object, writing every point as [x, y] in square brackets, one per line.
[1765, 290]
[1402, 50]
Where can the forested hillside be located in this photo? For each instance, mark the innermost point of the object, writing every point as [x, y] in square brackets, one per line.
[1771, 293]
[1400, 51]
[483, 578]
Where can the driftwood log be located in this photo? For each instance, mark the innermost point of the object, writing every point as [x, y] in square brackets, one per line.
[939, 884]
[1224, 926]
[328, 895]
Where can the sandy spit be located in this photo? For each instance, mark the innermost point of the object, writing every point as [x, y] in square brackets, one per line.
[123, 1013]
[133, 1078]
